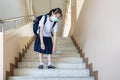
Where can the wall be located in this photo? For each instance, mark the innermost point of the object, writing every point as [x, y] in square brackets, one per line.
[41, 7]
[97, 32]
[1, 55]
[23, 6]
[78, 7]
[17, 38]
[73, 16]
[12, 9]
[9, 10]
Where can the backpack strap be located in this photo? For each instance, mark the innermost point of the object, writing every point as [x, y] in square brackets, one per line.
[45, 19]
[38, 31]
[54, 24]
[53, 27]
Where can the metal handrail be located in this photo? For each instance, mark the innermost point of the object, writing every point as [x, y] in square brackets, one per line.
[14, 19]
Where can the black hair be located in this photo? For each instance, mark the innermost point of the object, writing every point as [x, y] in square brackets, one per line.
[55, 11]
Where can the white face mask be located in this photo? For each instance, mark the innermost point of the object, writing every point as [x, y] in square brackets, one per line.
[54, 18]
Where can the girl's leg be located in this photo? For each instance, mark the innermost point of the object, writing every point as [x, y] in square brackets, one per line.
[50, 65]
[49, 59]
[41, 61]
[41, 57]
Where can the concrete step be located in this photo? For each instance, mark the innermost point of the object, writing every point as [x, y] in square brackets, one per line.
[69, 45]
[54, 55]
[49, 78]
[55, 58]
[57, 65]
[57, 52]
[60, 48]
[64, 41]
[70, 60]
[63, 45]
[52, 72]
[64, 38]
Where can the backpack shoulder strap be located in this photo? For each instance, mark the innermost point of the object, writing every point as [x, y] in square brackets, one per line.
[54, 24]
[53, 27]
[45, 19]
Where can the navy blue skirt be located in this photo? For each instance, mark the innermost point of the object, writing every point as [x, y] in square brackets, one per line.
[48, 45]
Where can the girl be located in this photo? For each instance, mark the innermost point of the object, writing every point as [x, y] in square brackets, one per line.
[43, 43]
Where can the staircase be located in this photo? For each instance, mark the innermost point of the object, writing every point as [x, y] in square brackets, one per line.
[69, 65]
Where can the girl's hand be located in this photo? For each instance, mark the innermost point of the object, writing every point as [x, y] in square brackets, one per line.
[42, 46]
[54, 50]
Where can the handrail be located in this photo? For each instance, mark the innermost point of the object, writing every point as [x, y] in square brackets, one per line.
[14, 19]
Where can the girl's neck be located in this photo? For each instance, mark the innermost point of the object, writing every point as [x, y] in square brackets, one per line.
[50, 19]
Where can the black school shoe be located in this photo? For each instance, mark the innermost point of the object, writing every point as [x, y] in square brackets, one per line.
[51, 67]
[40, 67]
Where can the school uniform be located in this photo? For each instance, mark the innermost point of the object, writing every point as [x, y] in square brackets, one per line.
[47, 28]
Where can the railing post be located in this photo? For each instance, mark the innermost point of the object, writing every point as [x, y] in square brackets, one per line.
[15, 23]
[2, 29]
[23, 21]
[2, 22]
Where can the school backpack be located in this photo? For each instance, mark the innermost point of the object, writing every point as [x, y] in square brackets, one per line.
[36, 27]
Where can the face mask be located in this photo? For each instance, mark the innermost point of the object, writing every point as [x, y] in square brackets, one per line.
[54, 18]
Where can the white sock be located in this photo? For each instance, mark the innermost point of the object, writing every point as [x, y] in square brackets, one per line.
[41, 63]
[50, 63]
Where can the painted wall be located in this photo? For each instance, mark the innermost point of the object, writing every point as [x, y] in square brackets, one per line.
[97, 32]
[8, 10]
[41, 7]
[73, 16]
[18, 38]
[12, 9]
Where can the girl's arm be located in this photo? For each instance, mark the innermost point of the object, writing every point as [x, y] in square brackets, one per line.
[54, 42]
[41, 38]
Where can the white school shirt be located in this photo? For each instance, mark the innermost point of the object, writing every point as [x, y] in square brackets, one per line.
[47, 28]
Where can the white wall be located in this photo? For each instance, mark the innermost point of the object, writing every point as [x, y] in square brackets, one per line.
[12, 9]
[97, 31]
[1, 55]
[78, 7]
[41, 6]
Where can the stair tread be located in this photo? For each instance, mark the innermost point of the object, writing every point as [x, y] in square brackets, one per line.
[57, 52]
[53, 56]
[50, 78]
[58, 65]
[54, 59]
[51, 72]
